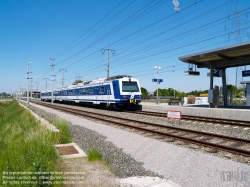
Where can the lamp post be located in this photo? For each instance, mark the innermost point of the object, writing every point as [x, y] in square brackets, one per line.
[31, 88]
[157, 68]
[22, 88]
[28, 82]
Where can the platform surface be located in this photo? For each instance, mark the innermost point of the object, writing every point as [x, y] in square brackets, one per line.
[231, 112]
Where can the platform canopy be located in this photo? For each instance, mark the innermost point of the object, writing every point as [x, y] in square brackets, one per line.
[221, 58]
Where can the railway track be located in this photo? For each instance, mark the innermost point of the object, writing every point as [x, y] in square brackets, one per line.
[199, 119]
[212, 142]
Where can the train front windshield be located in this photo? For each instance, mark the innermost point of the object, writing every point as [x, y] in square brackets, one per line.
[129, 86]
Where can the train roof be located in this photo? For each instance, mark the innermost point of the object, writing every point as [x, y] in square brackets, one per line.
[117, 77]
[100, 80]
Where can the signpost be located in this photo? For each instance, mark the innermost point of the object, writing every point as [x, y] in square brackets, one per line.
[246, 73]
[174, 114]
[159, 80]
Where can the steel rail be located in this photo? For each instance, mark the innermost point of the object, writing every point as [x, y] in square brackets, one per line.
[199, 118]
[104, 117]
[164, 126]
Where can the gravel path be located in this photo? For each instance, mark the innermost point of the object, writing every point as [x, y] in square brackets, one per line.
[131, 154]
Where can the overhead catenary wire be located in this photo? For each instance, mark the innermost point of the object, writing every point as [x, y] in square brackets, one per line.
[149, 25]
[135, 56]
[190, 20]
[143, 57]
[66, 48]
[71, 46]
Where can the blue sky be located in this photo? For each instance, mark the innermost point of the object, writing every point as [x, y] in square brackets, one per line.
[143, 33]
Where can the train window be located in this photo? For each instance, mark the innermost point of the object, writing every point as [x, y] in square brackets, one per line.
[65, 92]
[102, 90]
[83, 91]
[108, 90]
[129, 86]
[80, 92]
[96, 89]
[87, 91]
[114, 86]
[90, 91]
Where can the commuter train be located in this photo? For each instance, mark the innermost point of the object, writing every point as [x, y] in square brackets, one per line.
[117, 92]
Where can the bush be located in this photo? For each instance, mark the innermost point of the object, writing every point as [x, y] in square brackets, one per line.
[94, 154]
[190, 99]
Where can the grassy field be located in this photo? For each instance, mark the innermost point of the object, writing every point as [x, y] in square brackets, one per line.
[27, 153]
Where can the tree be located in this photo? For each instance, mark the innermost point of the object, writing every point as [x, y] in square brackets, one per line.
[180, 94]
[160, 92]
[144, 93]
[164, 92]
[197, 92]
[171, 92]
[233, 89]
[3, 94]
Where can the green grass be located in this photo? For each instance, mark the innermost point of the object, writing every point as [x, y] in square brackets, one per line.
[94, 154]
[64, 135]
[25, 146]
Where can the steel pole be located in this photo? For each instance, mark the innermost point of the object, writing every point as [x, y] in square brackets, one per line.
[157, 87]
[27, 85]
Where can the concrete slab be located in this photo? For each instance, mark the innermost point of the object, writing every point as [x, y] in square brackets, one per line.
[234, 113]
[76, 155]
[147, 182]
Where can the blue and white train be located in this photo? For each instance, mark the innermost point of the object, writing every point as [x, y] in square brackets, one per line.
[114, 92]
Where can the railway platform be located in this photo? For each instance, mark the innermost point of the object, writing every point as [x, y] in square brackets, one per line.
[231, 112]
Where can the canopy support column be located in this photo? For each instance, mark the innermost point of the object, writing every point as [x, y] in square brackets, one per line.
[224, 85]
[211, 81]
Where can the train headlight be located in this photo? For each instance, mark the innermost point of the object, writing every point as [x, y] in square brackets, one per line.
[139, 96]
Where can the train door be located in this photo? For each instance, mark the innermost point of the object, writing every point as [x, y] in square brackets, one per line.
[116, 89]
[108, 94]
[104, 94]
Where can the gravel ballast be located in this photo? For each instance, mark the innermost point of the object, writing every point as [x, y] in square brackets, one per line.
[131, 154]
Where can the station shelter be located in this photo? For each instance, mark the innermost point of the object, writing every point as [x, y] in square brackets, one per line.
[36, 93]
[218, 60]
